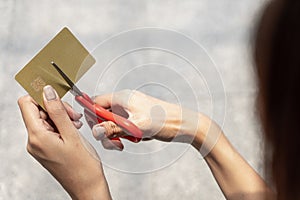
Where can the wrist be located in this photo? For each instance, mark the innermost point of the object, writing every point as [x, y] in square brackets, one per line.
[207, 135]
[97, 189]
[198, 130]
[85, 180]
[187, 126]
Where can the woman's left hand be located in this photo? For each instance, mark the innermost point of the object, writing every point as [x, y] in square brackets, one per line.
[54, 141]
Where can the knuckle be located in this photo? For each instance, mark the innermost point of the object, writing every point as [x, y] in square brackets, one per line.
[20, 101]
[143, 122]
[29, 149]
[33, 144]
[126, 91]
[122, 97]
[34, 130]
[97, 97]
[23, 99]
[132, 92]
[36, 153]
[135, 92]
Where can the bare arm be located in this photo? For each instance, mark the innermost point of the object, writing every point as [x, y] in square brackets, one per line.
[236, 178]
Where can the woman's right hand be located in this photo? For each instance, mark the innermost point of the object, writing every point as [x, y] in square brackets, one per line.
[157, 119]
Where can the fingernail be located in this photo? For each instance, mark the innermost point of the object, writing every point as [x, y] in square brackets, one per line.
[118, 148]
[78, 123]
[77, 114]
[115, 147]
[91, 123]
[111, 145]
[49, 93]
[99, 132]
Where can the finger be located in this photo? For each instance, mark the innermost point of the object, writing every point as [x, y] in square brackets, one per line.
[99, 133]
[74, 115]
[43, 115]
[46, 120]
[112, 130]
[112, 144]
[30, 112]
[57, 112]
[104, 101]
[77, 124]
[120, 98]
[48, 126]
[90, 118]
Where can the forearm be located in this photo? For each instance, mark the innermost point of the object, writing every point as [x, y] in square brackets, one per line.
[84, 184]
[236, 178]
[85, 179]
[98, 191]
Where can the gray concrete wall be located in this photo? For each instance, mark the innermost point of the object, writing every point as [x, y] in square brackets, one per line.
[223, 28]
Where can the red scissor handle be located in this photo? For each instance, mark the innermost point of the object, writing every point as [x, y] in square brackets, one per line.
[134, 133]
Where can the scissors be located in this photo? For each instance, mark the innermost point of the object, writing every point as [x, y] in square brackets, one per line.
[100, 114]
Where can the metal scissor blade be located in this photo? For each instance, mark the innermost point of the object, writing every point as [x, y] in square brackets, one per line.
[74, 90]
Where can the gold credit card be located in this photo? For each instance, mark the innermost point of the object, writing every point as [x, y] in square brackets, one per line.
[68, 53]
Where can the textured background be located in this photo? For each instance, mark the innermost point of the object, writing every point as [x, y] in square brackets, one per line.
[224, 28]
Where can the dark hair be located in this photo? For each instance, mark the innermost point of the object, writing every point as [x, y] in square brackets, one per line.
[277, 59]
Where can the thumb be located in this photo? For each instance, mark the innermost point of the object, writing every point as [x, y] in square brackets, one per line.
[57, 111]
[108, 133]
